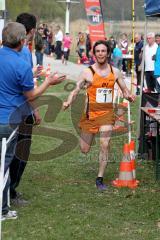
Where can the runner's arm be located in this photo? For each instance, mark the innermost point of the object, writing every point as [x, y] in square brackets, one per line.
[81, 83]
[125, 91]
[53, 79]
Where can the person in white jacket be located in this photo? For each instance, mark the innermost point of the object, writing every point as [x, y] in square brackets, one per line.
[150, 52]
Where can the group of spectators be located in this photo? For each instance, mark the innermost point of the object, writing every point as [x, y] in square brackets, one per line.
[17, 94]
[48, 42]
[151, 61]
[122, 47]
[43, 42]
[84, 49]
[118, 48]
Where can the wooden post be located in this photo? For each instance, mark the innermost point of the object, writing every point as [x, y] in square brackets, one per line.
[133, 33]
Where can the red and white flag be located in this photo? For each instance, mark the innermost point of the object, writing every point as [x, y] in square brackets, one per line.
[95, 20]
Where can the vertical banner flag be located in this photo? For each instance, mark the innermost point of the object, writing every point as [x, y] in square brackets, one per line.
[95, 20]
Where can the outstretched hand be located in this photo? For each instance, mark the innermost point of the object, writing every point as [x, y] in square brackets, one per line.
[127, 95]
[131, 98]
[65, 105]
[55, 79]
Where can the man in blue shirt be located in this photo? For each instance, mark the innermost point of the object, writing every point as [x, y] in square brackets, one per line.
[16, 91]
[25, 129]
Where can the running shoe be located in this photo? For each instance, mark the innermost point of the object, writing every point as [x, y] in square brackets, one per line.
[100, 185]
[9, 215]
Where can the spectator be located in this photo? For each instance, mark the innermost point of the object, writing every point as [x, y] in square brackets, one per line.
[84, 59]
[91, 58]
[112, 43]
[58, 40]
[45, 38]
[39, 46]
[25, 129]
[50, 41]
[150, 52]
[88, 44]
[157, 64]
[124, 48]
[66, 48]
[16, 91]
[117, 57]
[81, 44]
[137, 59]
[157, 38]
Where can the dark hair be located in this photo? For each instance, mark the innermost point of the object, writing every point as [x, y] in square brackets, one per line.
[105, 44]
[28, 20]
[157, 35]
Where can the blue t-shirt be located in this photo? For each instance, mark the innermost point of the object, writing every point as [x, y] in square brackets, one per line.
[26, 55]
[117, 52]
[16, 77]
[157, 63]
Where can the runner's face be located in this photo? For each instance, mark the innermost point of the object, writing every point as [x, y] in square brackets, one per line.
[101, 54]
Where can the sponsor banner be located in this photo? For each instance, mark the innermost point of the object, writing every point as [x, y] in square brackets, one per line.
[95, 20]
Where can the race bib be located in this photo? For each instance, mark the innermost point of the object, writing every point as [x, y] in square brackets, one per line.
[104, 95]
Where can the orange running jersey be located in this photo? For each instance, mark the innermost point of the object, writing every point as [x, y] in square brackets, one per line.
[100, 95]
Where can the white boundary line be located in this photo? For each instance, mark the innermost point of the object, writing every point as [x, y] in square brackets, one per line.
[3, 153]
[3, 179]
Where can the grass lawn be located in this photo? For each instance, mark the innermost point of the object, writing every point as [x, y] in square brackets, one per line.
[59, 182]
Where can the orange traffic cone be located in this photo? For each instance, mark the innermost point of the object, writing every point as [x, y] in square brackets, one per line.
[133, 162]
[125, 175]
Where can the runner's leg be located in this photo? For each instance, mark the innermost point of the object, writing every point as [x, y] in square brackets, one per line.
[105, 134]
[86, 141]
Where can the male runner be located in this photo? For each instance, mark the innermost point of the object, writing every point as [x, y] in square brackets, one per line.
[99, 79]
